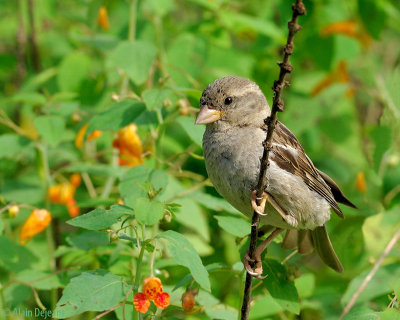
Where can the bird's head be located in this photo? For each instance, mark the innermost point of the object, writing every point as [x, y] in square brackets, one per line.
[234, 100]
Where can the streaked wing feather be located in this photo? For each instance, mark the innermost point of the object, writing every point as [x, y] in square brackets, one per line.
[300, 164]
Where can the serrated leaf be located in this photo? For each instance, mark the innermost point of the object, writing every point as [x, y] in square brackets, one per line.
[236, 226]
[184, 254]
[283, 291]
[51, 128]
[117, 116]
[135, 58]
[91, 291]
[100, 219]
[154, 98]
[148, 212]
[195, 133]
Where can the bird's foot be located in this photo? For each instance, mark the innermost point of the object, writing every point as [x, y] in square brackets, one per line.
[254, 266]
[258, 208]
[257, 270]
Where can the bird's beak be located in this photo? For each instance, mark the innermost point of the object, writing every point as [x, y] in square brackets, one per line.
[208, 115]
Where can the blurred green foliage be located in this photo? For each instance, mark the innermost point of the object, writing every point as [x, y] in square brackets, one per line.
[61, 68]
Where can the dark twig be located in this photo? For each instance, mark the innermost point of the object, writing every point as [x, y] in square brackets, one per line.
[32, 37]
[277, 106]
[21, 42]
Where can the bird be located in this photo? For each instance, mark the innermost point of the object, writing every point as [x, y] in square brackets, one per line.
[298, 197]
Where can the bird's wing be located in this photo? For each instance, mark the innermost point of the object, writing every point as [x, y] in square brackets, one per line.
[289, 155]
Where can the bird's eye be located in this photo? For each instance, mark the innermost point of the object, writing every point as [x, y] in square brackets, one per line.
[228, 100]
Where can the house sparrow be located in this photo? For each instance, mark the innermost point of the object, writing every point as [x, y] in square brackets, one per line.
[299, 197]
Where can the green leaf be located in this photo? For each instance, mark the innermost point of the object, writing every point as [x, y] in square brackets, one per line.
[348, 241]
[91, 291]
[389, 314]
[129, 186]
[14, 257]
[234, 225]
[102, 170]
[30, 97]
[51, 128]
[362, 313]
[396, 287]
[117, 116]
[148, 212]
[213, 203]
[100, 219]
[263, 307]
[221, 312]
[373, 16]
[382, 138]
[240, 22]
[88, 240]
[184, 254]
[191, 215]
[73, 70]
[210, 268]
[283, 291]
[14, 143]
[135, 58]
[305, 285]
[40, 280]
[154, 98]
[194, 132]
[379, 284]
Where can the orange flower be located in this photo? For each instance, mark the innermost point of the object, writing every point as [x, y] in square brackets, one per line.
[61, 193]
[141, 302]
[38, 220]
[152, 287]
[75, 180]
[361, 185]
[129, 145]
[347, 28]
[64, 193]
[102, 18]
[187, 301]
[340, 75]
[81, 135]
[162, 300]
[73, 209]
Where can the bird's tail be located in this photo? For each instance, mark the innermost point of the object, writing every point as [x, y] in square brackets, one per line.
[306, 240]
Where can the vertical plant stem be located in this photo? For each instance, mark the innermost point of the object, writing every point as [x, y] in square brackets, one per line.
[21, 44]
[277, 106]
[42, 149]
[35, 55]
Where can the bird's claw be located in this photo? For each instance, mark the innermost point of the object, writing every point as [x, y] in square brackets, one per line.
[254, 272]
[258, 208]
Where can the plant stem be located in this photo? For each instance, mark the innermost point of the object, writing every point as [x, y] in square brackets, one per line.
[42, 149]
[277, 106]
